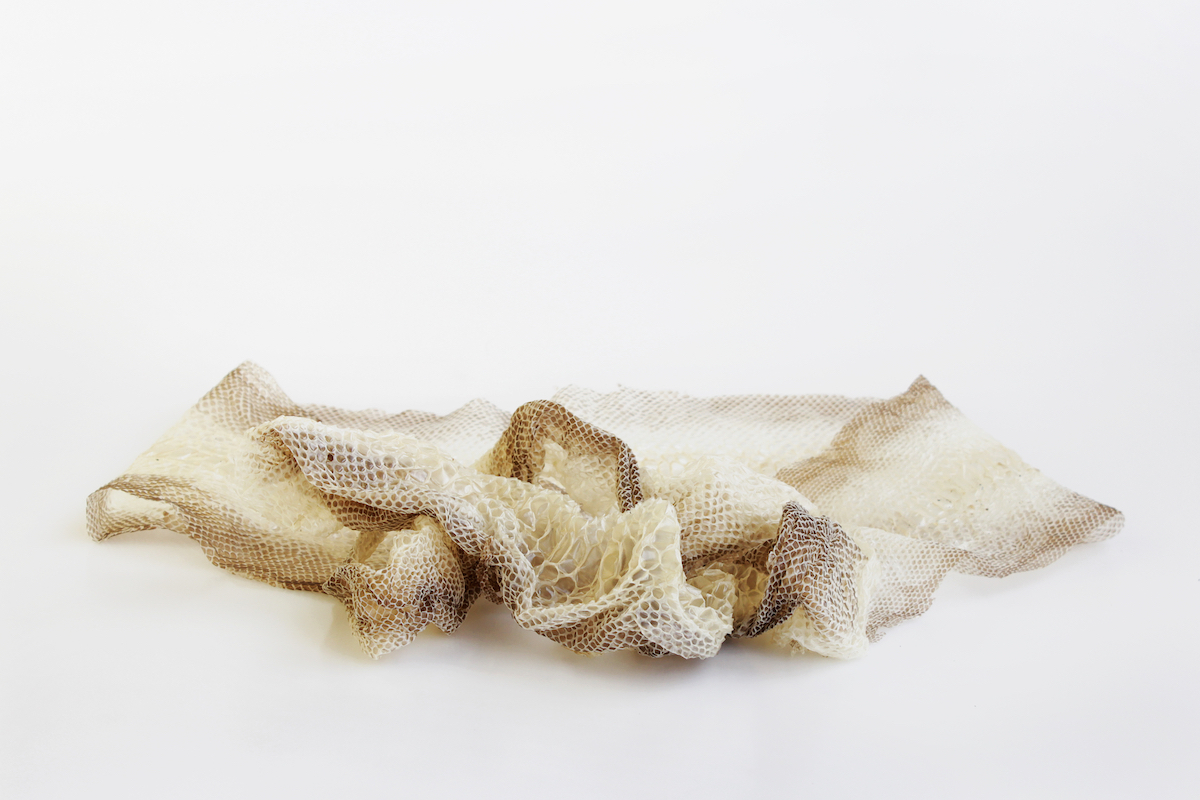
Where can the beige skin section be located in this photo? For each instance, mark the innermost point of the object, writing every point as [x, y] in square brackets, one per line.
[632, 520]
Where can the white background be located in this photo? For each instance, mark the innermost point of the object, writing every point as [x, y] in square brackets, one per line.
[408, 205]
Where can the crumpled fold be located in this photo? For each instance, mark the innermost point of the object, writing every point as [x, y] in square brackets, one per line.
[650, 521]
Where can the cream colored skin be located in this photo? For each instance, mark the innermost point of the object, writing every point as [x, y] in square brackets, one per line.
[916, 488]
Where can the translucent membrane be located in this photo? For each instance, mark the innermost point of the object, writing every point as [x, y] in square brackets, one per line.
[643, 520]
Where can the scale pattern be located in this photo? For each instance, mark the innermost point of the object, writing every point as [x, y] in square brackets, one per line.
[650, 521]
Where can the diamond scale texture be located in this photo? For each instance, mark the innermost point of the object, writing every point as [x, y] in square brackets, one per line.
[636, 520]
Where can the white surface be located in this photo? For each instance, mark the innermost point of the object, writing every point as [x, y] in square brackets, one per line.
[399, 206]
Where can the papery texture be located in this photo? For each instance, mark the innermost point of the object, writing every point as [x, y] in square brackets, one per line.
[631, 520]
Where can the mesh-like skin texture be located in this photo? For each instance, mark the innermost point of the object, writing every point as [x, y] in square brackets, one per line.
[631, 520]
